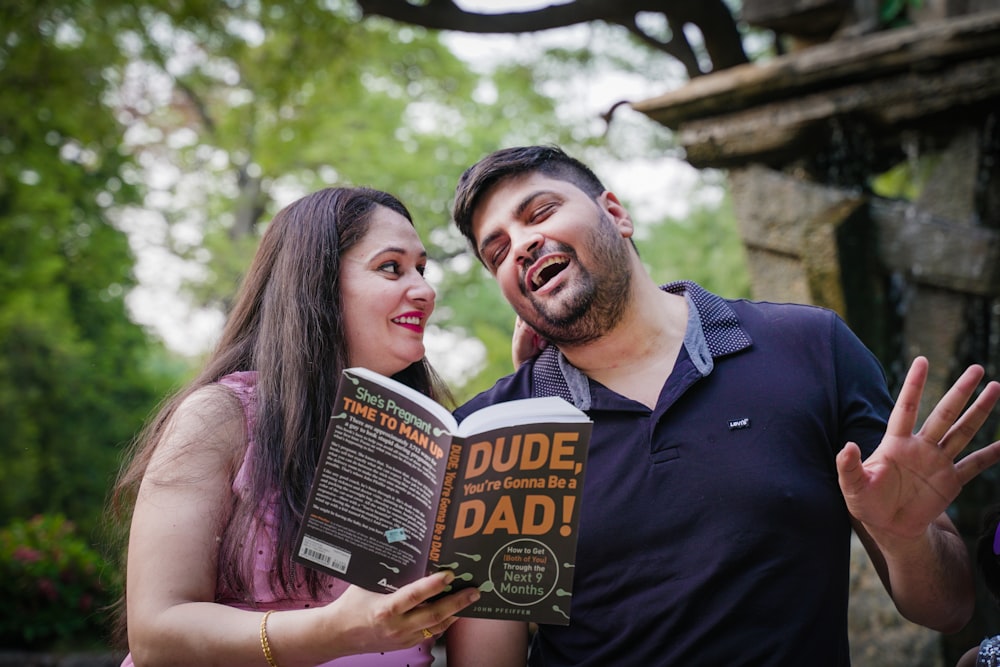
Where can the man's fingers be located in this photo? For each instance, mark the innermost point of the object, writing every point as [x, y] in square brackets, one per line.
[949, 409]
[849, 468]
[976, 462]
[903, 417]
[961, 434]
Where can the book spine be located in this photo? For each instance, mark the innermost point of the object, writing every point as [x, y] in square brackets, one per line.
[444, 503]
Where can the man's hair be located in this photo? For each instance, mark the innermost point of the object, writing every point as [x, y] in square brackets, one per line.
[511, 163]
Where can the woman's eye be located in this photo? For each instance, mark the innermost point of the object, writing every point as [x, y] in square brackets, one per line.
[390, 267]
[421, 268]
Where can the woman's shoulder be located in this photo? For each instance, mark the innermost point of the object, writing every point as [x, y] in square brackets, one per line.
[208, 428]
[211, 402]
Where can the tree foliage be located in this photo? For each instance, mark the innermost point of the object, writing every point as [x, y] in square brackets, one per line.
[702, 247]
[291, 97]
[76, 375]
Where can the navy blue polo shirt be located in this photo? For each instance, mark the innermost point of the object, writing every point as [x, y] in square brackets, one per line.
[713, 530]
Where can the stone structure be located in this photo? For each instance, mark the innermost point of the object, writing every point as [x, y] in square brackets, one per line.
[803, 136]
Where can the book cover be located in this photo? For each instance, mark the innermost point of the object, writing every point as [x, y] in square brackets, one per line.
[402, 491]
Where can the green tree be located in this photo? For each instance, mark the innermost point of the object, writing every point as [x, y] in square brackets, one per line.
[703, 247]
[290, 97]
[76, 374]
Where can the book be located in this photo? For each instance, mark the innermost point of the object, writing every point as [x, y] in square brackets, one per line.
[402, 491]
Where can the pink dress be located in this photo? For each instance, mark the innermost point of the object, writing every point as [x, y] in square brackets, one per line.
[265, 598]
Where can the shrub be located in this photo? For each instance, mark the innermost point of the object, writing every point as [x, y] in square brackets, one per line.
[54, 586]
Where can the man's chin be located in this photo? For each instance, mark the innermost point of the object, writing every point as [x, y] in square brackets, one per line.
[566, 332]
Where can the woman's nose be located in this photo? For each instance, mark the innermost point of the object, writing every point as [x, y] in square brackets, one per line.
[421, 290]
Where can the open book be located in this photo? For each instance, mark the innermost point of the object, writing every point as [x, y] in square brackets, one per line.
[402, 491]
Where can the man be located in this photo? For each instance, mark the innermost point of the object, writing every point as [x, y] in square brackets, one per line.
[723, 478]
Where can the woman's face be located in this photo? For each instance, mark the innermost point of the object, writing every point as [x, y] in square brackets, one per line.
[386, 299]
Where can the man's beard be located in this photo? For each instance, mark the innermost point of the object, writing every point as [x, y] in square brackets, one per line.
[595, 302]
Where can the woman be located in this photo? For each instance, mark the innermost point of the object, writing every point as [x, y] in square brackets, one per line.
[218, 481]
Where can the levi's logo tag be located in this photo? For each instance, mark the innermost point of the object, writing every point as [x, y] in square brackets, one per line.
[739, 424]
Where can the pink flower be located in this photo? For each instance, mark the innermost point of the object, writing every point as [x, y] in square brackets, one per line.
[27, 554]
[48, 589]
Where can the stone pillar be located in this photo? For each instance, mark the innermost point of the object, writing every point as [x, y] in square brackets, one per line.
[789, 229]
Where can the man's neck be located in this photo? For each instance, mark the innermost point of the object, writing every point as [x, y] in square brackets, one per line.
[637, 356]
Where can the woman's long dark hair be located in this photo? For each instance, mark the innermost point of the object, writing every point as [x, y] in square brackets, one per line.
[287, 324]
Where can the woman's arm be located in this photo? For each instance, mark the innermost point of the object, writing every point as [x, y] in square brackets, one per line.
[180, 511]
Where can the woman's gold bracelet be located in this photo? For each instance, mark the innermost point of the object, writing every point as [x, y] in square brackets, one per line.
[264, 644]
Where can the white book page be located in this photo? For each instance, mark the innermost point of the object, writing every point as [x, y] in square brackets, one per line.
[522, 411]
[441, 412]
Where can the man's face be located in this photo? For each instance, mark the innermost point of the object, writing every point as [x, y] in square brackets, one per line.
[561, 258]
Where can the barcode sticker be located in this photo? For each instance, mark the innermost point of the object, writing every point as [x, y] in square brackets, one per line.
[325, 554]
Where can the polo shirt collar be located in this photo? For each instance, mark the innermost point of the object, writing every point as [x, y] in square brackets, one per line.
[713, 330]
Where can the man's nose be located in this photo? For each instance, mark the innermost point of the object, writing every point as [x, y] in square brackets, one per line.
[526, 246]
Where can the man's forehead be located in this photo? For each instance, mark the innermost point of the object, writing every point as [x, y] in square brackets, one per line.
[502, 200]
[508, 194]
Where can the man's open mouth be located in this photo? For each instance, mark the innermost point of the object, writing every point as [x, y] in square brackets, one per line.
[546, 271]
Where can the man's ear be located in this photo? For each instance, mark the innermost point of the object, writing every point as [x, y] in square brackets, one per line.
[619, 215]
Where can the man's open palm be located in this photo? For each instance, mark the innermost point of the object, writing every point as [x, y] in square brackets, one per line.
[912, 477]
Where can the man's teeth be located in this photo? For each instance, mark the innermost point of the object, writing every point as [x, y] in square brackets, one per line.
[537, 278]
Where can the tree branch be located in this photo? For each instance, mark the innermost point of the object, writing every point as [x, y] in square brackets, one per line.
[677, 46]
[446, 15]
[712, 17]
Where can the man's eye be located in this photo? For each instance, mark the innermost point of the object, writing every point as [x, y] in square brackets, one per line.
[542, 212]
[496, 257]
